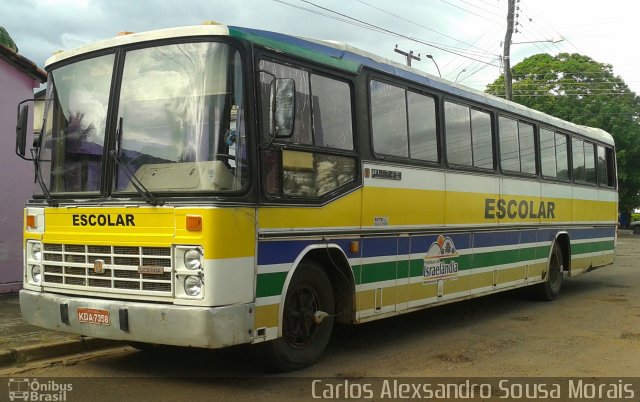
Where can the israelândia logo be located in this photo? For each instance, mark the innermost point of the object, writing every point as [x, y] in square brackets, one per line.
[436, 263]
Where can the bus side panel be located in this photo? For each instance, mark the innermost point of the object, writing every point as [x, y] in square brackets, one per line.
[593, 244]
[279, 227]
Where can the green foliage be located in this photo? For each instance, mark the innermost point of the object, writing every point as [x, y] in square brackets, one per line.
[578, 89]
[5, 39]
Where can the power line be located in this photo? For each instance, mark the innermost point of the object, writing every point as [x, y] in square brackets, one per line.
[378, 28]
[471, 12]
[414, 23]
[309, 10]
[481, 8]
[490, 4]
[555, 30]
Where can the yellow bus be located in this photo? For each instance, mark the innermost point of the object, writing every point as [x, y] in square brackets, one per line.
[213, 185]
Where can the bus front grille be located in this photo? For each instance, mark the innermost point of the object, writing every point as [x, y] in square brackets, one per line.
[77, 267]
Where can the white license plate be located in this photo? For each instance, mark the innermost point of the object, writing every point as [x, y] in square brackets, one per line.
[94, 316]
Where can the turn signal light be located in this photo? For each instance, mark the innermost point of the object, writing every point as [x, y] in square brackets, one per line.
[194, 223]
[31, 221]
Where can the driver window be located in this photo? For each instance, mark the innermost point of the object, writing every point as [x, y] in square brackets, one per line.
[323, 120]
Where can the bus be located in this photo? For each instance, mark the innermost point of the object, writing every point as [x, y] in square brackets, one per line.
[213, 185]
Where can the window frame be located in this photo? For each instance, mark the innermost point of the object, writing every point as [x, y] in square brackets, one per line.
[584, 140]
[279, 145]
[567, 137]
[536, 127]
[406, 87]
[471, 107]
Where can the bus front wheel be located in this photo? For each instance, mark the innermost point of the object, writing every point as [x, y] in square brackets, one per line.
[550, 289]
[307, 321]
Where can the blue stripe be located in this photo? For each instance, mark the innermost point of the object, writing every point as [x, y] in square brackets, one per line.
[286, 251]
[591, 233]
[379, 246]
[281, 252]
[492, 239]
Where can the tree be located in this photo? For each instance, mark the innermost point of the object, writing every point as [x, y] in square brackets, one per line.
[5, 39]
[578, 89]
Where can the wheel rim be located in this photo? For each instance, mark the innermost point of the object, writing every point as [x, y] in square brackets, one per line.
[555, 272]
[300, 326]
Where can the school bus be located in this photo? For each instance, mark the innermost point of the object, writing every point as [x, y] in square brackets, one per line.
[213, 185]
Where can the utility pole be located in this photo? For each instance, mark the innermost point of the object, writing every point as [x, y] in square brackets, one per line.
[409, 55]
[507, 51]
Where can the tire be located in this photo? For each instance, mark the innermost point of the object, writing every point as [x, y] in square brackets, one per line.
[550, 289]
[303, 339]
[636, 229]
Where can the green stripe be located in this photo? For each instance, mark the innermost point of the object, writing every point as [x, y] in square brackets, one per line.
[342, 64]
[270, 284]
[386, 271]
[583, 248]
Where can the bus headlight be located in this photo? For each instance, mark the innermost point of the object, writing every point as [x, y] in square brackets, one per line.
[192, 285]
[192, 259]
[36, 274]
[36, 251]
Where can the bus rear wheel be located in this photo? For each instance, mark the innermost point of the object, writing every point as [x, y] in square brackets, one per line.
[550, 289]
[307, 321]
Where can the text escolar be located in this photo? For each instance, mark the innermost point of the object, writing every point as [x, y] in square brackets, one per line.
[524, 209]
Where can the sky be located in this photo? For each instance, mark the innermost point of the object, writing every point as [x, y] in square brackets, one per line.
[464, 37]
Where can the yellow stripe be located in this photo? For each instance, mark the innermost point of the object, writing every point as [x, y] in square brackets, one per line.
[342, 212]
[426, 207]
[226, 232]
[510, 275]
[419, 291]
[267, 316]
[405, 207]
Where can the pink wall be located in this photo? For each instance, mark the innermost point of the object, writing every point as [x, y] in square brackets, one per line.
[16, 176]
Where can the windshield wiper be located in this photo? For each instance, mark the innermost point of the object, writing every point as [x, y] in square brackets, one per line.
[137, 184]
[45, 191]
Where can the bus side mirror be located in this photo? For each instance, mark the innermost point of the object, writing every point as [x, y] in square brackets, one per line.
[21, 130]
[284, 107]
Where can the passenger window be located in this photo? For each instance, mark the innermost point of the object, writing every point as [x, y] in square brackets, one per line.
[517, 146]
[469, 136]
[482, 139]
[332, 122]
[577, 147]
[389, 119]
[423, 135]
[527, 148]
[589, 163]
[562, 157]
[509, 144]
[602, 166]
[458, 134]
[548, 153]
[611, 168]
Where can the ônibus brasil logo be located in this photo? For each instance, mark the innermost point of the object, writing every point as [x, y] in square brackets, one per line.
[434, 266]
[33, 390]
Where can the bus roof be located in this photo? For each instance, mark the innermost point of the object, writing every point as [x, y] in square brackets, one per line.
[341, 56]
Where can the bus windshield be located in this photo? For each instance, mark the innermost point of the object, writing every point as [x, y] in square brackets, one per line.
[178, 128]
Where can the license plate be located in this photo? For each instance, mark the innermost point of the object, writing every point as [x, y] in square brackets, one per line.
[94, 316]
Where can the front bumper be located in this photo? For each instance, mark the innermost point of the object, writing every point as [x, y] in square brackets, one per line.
[205, 327]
